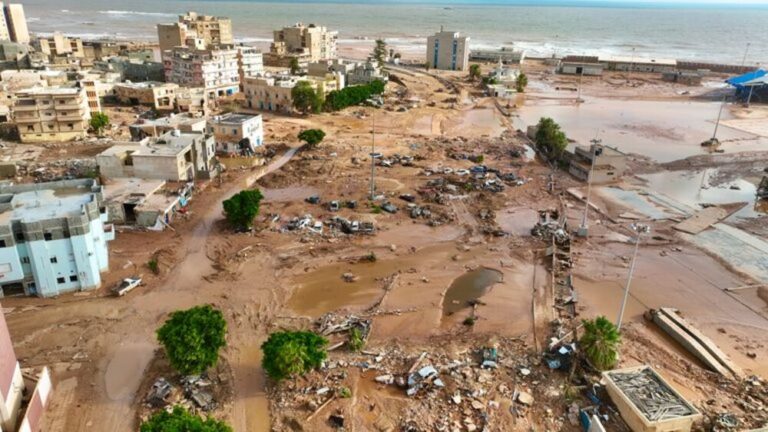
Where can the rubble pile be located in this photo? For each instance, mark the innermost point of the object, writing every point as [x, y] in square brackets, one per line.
[63, 169]
[750, 397]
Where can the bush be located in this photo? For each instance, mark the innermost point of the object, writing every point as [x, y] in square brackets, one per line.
[153, 266]
[600, 343]
[287, 353]
[181, 420]
[242, 208]
[312, 137]
[192, 338]
[345, 393]
[521, 83]
[469, 321]
[353, 95]
[99, 121]
[356, 342]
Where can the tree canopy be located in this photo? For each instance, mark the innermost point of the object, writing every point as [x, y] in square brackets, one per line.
[521, 83]
[474, 72]
[380, 52]
[294, 66]
[192, 338]
[288, 354]
[181, 420]
[312, 137]
[242, 208]
[99, 121]
[353, 95]
[549, 137]
[305, 98]
[600, 342]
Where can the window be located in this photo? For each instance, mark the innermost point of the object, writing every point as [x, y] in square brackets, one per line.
[2, 243]
[61, 280]
[48, 236]
[73, 278]
[54, 260]
[25, 260]
[19, 236]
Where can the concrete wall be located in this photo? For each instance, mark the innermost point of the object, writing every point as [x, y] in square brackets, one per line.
[37, 403]
[11, 381]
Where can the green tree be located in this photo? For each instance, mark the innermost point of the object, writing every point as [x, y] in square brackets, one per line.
[192, 338]
[353, 95]
[474, 72]
[242, 208]
[600, 342]
[521, 83]
[304, 97]
[181, 420]
[294, 66]
[356, 341]
[312, 137]
[287, 353]
[549, 137]
[380, 52]
[99, 121]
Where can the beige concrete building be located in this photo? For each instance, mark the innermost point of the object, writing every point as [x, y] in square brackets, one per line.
[250, 62]
[448, 51]
[192, 100]
[607, 164]
[314, 42]
[59, 45]
[237, 133]
[173, 156]
[91, 87]
[51, 114]
[187, 123]
[157, 95]
[208, 30]
[273, 93]
[15, 24]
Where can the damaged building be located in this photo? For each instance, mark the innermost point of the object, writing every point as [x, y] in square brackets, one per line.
[606, 164]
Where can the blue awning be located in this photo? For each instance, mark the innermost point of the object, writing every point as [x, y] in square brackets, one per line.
[741, 80]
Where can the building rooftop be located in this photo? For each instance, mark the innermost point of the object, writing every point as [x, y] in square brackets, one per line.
[173, 120]
[131, 189]
[145, 84]
[168, 144]
[43, 204]
[73, 91]
[233, 118]
[638, 60]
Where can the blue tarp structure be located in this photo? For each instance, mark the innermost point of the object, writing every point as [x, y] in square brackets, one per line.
[755, 82]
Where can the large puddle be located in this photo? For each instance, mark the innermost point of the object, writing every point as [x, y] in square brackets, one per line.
[662, 130]
[469, 287]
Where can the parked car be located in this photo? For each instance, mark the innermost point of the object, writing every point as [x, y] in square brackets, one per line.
[389, 207]
[126, 286]
[334, 206]
[314, 199]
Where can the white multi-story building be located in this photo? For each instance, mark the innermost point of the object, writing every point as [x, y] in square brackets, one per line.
[52, 237]
[237, 133]
[51, 114]
[250, 62]
[216, 70]
[448, 50]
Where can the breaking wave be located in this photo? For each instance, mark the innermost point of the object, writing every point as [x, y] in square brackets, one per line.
[124, 12]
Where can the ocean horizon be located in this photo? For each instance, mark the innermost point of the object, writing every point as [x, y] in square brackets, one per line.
[711, 31]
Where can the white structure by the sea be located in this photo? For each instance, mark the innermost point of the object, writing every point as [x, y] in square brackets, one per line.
[448, 50]
[52, 237]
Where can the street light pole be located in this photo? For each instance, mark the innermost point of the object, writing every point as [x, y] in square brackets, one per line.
[717, 123]
[744, 59]
[640, 229]
[584, 228]
[373, 157]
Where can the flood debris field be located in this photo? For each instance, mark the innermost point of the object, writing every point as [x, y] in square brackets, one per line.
[458, 301]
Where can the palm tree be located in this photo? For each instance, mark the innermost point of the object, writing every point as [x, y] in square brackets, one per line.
[600, 343]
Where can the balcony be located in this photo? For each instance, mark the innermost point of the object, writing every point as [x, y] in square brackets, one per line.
[25, 106]
[69, 106]
[26, 119]
[76, 117]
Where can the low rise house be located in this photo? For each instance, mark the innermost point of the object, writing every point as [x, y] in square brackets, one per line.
[192, 100]
[157, 95]
[185, 122]
[146, 203]
[607, 164]
[53, 237]
[581, 65]
[364, 73]
[173, 156]
[237, 133]
[506, 55]
[270, 93]
[638, 64]
[51, 114]
[688, 78]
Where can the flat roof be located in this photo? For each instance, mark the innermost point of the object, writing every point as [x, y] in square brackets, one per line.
[233, 118]
[51, 90]
[165, 145]
[145, 84]
[37, 205]
[174, 120]
[131, 189]
[638, 60]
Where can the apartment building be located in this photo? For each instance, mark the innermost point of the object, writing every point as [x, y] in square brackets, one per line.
[13, 25]
[274, 92]
[51, 114]
[157, 95]
[172, 156]
[210, 30]
[216, 70]
[52, 237]
[448, 50]
[91, 87]
[250, 62]
[59, 45]
[314, 42]
[237, 133]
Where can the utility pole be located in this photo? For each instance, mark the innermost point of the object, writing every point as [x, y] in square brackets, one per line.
[717, 123]
[584, 228]
[640, 229]
[373, 157]
[631, 66]
[744, 59]
[578, 97]
[749, 98]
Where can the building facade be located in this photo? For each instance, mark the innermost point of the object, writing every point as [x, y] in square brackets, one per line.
[51, 114]
[250, 62]
[52, 237]
[59, 45]
[505, 55]
[11, 380]
[237, 133]
[270, 93]
[606, 164]
[173, 156]
[448, 51]
[314, 42]
[581, 65]
[15, 24]
[210, 30]
[157, 95]
[215, 70]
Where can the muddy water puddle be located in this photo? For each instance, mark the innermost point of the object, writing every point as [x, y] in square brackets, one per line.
[468, 288]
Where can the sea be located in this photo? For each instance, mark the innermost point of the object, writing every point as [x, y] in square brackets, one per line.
[697, 31]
